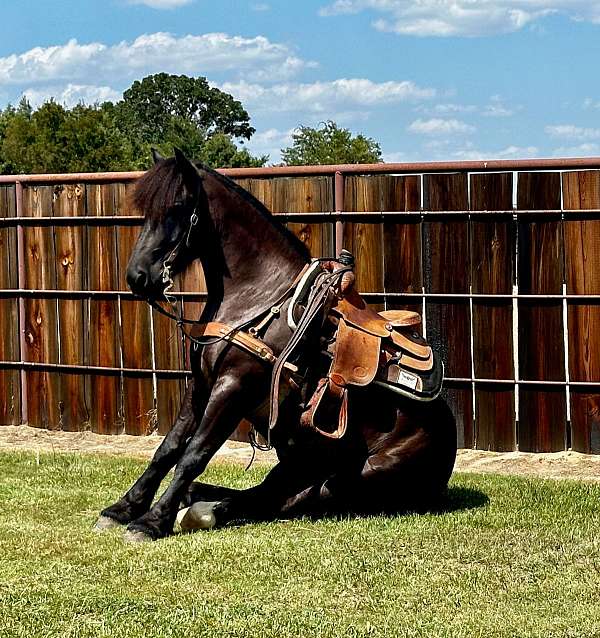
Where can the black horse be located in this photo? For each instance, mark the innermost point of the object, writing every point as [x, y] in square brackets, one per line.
[396, 454]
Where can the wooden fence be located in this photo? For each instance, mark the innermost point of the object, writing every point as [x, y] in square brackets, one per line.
[502, 259]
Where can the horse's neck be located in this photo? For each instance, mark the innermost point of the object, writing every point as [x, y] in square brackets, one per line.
[256, 262]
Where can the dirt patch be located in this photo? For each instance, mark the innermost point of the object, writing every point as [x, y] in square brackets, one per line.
[22, 437]
[559, 465]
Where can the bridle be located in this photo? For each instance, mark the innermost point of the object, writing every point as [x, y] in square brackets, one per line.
[263, 316]
[259, 321]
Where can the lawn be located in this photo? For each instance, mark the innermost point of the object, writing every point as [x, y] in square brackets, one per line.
[509, 557]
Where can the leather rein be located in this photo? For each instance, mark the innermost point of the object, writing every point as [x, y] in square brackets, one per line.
[250, 341]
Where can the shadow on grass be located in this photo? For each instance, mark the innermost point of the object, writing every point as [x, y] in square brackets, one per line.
[461, 498]
[456, 499]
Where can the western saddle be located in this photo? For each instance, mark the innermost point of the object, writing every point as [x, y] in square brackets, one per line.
[365, 348]
[370, 347]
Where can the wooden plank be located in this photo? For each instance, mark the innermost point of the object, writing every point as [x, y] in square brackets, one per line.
[41, 320]
[402, 241]
[168, 350]
[581, 191]
[192, 280]
[365, 240]
[299, 195]
[446, 270]
[104, 347]
[542, 411]
[10, 386]
[69, 201]
[136, 334]
[493, 254]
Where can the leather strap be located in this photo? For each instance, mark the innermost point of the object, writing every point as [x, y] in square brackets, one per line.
[242, 340]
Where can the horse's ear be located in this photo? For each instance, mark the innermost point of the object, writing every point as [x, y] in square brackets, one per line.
[156, 156]
[191, 176]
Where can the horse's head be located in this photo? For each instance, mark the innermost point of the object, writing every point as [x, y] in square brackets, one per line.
[172, 200]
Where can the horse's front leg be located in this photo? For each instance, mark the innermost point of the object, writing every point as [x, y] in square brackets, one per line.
[138, 498]
[224, 410]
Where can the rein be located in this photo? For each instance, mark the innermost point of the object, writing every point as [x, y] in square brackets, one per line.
[250, 340]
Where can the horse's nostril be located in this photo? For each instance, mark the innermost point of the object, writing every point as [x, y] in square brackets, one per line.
[136, 280]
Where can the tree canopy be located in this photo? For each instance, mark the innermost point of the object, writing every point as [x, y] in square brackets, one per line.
[159, 111]
[330, 144]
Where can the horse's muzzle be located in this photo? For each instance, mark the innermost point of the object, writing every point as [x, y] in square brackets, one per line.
[142, 284]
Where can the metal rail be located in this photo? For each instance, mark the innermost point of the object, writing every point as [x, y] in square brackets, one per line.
[88, 369]
[337, 215]
[127, 295]
[180, 373]
[471, 166]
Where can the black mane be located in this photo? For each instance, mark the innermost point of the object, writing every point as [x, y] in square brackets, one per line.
[157, 190]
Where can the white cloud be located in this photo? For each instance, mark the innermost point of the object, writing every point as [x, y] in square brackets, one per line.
[267, 141]
[572, 132]
[150, 53]
[587, 149]
[270, 142]
[463, 17]
[438, 126]
[509, 152]
[260, 6]
[396, 157]
[444, 109]
[496, 107]
[324, 97]
[589, 103]
[72, 94]
[161, 4]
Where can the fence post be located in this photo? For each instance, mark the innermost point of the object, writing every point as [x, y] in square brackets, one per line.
[21, 284]
[339, 207]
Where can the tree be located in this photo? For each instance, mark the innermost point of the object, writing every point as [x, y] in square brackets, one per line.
[55, 139]
[330, 144]
[165, 110]
[160, 111]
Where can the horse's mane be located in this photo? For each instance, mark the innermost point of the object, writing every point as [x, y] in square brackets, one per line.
[157, 190]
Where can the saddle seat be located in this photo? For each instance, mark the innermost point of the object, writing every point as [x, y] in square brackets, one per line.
[369, 347]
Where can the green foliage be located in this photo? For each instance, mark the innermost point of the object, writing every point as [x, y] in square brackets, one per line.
[55, 139]
[160, 111]
[152, 106]
[330, 144]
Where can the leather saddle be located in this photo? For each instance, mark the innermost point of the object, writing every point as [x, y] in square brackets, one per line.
[371, 348]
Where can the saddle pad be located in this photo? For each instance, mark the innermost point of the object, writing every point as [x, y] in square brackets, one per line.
[421, 385]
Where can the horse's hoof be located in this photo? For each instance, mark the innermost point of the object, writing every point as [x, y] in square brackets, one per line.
[105, 522]
[136, 536]
[199, 516]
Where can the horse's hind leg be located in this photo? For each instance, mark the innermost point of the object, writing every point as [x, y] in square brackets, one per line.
[408, 472]
[139, 497]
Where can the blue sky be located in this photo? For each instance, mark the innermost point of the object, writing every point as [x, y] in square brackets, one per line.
[429, 80]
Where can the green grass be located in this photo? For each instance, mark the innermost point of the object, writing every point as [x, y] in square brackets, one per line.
[511, 557]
